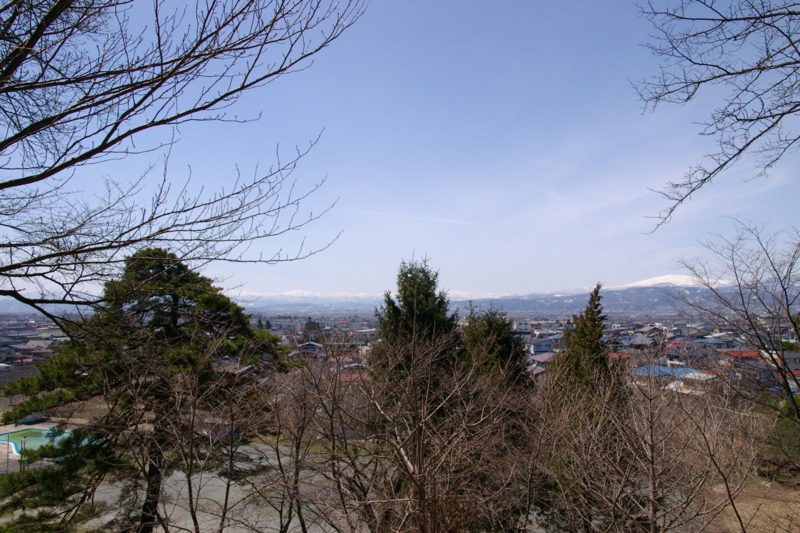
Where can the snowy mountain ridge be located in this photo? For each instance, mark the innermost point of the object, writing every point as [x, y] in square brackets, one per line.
[678, 280]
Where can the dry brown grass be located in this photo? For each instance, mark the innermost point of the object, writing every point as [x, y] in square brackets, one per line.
[765, 507]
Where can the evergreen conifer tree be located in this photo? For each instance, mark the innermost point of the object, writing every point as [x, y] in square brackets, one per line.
[147, 356]
[421, 309]
[490, 335]
[419, 315]
[584, 361]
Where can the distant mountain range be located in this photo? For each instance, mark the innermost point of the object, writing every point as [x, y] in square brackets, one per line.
[653, 297]
[644, 297]
[656, 301]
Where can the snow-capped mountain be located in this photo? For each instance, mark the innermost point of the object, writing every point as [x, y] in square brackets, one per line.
[650, 296]
[655, 296]
[676, 280]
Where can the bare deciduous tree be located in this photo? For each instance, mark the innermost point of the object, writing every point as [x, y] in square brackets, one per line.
[81, 82]
[754, 289]
[660, 461]
[751, 49]
[434, 448]
[430, 448]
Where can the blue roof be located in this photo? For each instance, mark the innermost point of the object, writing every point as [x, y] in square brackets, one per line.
[659, 370]
[779, 389]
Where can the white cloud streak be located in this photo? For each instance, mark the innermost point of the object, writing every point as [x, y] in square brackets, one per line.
[416, 218]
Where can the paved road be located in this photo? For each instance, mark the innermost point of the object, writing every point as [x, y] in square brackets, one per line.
[248, 512]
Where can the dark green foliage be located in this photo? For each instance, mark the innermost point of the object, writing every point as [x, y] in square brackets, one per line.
[420, 311]
[39, 523]
[781, 453]
[790, 346]
[490, 336]
[81, 461]
[419, 316]
[159, 305]
[584, 362]
[160, 296]
[147, 352]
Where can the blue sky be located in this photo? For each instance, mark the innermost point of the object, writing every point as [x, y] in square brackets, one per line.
[502, 140]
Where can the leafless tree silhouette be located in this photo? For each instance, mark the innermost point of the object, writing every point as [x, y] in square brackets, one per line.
[82, 81]
[752, 49]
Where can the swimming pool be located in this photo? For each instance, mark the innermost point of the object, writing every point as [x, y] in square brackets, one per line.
[30, 439]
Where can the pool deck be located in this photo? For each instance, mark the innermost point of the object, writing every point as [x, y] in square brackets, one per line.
[45, 425]
[10, 454]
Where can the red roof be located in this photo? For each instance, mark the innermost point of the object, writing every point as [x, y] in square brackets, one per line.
[673, 344]
[615, 355]
[742, 353]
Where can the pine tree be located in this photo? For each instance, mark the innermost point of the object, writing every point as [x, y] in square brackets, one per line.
[420, 311]
[148, 353]
[490, 336]
[584, 361]
[419, 315]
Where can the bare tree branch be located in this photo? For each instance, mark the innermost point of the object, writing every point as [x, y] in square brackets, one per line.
[81, 81]
[752, 48]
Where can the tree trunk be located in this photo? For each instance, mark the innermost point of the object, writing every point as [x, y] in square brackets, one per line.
[155, 478]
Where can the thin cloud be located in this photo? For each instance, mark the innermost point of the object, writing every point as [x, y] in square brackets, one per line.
[305, 294]
[416, 218]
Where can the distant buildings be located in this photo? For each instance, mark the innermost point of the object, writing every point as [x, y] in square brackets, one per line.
[683, 356]
[24, 341]
[670, 352]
